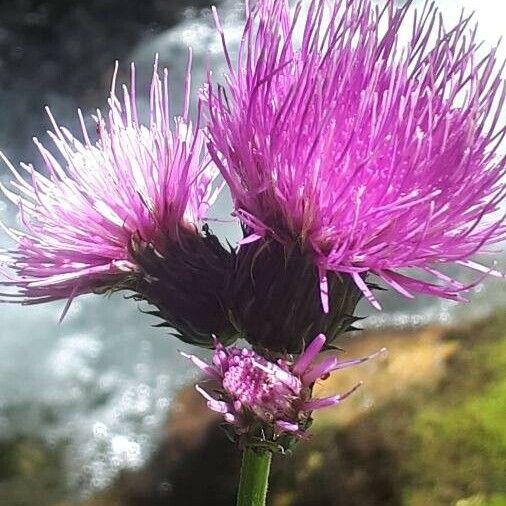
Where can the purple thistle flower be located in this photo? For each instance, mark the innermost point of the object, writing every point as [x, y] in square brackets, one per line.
[123, 212]
[372, 156]
[271, 398]
[79, 219]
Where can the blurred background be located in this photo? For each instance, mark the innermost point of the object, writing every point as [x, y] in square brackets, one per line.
[99, 410]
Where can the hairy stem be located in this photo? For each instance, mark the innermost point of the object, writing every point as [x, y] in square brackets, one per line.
[254, 479]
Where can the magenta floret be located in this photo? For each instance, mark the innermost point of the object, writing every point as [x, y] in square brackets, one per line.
[277, 394]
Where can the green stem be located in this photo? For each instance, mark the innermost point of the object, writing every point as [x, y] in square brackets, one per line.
[255, 469]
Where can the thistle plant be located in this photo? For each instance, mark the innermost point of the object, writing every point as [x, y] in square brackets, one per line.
[354, 162]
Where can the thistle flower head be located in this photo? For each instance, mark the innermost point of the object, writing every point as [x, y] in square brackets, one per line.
[123, 212]
[371, 155]
[266, 399]
[148, 183]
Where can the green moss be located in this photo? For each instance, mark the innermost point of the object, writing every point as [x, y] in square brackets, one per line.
[457, 440]
[496, 500]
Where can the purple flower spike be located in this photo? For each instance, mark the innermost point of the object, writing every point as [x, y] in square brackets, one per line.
[254, 392]
[142, 184]
[373, 157]
[309, 354]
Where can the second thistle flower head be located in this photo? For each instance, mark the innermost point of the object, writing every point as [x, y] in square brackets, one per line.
[369, 156]
[264, 401]
[123, 212]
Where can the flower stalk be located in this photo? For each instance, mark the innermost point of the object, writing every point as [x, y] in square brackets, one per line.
[254, 480]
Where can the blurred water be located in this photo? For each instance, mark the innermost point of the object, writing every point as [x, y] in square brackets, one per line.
[104, 378]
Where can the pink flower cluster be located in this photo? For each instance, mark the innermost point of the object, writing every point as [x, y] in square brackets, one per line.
[350, 151]
[252, 388]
